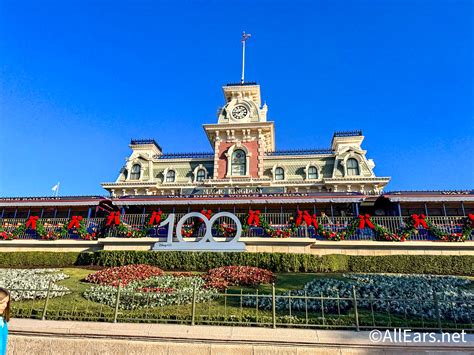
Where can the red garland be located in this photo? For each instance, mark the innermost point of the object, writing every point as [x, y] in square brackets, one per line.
[365, 220]
[155, 218]
[471, 218]
[114, 217]
[254, 218]
[75, 220]
[31, 222]
[417, 220]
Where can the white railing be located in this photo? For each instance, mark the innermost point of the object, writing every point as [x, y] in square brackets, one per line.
[449, 224]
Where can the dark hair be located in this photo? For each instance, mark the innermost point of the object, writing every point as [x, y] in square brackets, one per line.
[6, 312]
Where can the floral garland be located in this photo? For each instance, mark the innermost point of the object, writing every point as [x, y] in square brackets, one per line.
[77, 226]
[32, 223]
[253, 219]
[5, 235]
[416, 221]
[113, 222]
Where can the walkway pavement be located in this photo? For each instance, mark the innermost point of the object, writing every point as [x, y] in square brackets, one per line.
[68, 337]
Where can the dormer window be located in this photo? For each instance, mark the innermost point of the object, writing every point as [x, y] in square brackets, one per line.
[352, 167]
[312, 172]
[201, 175]
[135, 172]
[279, 174]
[170, 176]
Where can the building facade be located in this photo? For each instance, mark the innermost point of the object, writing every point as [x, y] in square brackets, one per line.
[244, 159]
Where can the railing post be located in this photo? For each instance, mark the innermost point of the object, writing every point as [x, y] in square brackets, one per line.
[273, 306]
[45, 308]
[193, 309]
[117, 302]
[438, 313]
[356, 312]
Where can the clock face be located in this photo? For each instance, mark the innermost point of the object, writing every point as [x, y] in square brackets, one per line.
[239, 112]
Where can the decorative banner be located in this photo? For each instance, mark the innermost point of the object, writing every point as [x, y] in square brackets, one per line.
[75, 221]
[365, 220]
[155, 218]
[207, 242]
[419, 220]
[31, 222]
[113, 218]
[254, 218]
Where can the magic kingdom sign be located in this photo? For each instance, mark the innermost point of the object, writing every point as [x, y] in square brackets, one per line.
[207, 242]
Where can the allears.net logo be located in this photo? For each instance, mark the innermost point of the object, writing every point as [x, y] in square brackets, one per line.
[398, 335]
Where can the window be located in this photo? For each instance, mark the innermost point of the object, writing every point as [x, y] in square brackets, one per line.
[170, 176]
[312, 172]
[201, 174]
[352, 167]
[125, 174]
[135, 173]
[239, 162]
[279, 174]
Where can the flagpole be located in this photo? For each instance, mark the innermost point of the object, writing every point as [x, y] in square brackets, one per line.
[57, 190]
[245, 37]
[243, 60]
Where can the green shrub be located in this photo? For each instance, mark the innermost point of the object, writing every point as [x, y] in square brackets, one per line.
[39, 259]
[276, 262]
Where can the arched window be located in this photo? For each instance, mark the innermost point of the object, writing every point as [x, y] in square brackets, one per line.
[279, 174]
[239, 162]
[352, 167]
[312, 172]
[170, 176]
[201, 174]
[135, 173]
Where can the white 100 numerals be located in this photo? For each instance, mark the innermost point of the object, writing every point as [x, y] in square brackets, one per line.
[208, 222]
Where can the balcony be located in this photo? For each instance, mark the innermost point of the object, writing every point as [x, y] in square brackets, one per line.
[279, 221]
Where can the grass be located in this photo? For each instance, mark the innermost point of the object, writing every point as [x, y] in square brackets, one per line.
[223, 310]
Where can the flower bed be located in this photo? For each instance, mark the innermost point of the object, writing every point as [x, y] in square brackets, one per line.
[153, 292]
[406, 295]
[122, 275]
[32, 284]
[222, 277]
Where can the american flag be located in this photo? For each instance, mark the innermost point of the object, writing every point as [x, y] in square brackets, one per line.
[245, 36]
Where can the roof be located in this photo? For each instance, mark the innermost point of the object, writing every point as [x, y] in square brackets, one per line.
[430, 196]
[145, 141]
[347, 133]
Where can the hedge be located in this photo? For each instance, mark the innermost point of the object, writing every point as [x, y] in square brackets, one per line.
[277, 262]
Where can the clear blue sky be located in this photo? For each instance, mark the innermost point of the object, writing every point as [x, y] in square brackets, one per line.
[78, 79]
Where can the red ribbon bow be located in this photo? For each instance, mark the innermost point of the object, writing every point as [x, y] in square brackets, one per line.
[155, 218]
[206, 213]
[417, 220]
[471, 218]
[365, 220]
[75, 220]
[254, 218]
[314, 221]
[303, 216]
[299, 219]
[114, 217]
[31, 222]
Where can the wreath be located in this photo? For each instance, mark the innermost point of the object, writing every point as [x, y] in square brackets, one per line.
[114, 223]
[77, 226]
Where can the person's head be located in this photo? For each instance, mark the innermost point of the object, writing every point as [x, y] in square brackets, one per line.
[5, 301]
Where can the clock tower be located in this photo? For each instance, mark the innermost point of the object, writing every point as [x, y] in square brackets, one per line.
[242, 134]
